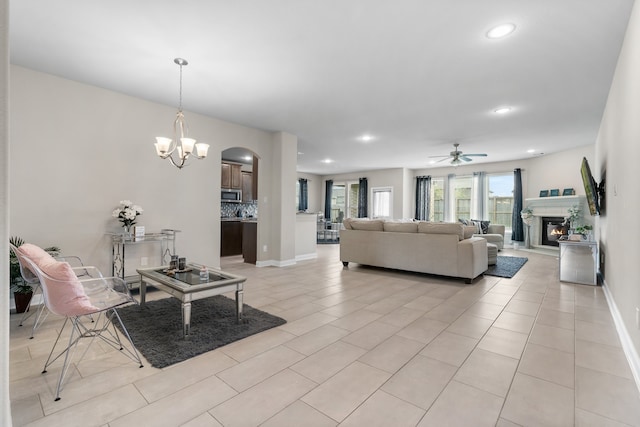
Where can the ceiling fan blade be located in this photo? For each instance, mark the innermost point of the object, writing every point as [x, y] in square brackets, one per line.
[442, 160]
[436, 157]
[465, 158]
[476, 155]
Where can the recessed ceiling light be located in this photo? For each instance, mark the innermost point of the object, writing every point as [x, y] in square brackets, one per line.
[300, 153]
[531, 151]
[502, 110]
[366, 138]
[327, 161]
[500, 31]
[247, 158]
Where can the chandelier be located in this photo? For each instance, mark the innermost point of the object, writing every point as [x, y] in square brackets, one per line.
[182, 146]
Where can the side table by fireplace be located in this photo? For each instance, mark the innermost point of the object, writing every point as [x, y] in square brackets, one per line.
[579, 261]
[187, 286]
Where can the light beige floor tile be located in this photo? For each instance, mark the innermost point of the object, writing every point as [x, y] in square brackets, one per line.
[506, 423]
[297, 414]
[504, 342]
[485, 310]
[204, 420]
[344, 308]
[181, 375]
[259, 403]
[194, 399]
[488, 371]
[515, 322]
[387, 305]
[496, 299]
[345, 391]
[596, 332]
[528, 296]
[607, 395]
[549, 336]
[256, 344]
[506, 289]
[420, 381]
[424, 303]
[423, 330]
[307, 323]
[252, 371]
[470, 326]
[99, 410]
[26, 410]
[322, 365]
[559, 305]
[445, 312]
[603, 358]
[383, 410]
[522, 307]
[556, 318]
[480, 408]
[535, 402]
[589, 419]
[392, 354]
[317, 339]
[548, 364]
[450, 348]
[594, 315]
[371, 335]
[356, 320]
[402, 316]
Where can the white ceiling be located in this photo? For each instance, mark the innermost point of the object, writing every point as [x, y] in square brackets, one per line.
[417, 75]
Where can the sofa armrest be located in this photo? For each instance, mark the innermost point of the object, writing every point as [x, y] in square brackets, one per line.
[496, 229]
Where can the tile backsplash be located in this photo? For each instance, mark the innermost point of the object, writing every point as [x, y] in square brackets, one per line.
[231, 209]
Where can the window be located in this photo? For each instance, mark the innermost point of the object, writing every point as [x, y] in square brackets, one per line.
[344, 201]
[461, 197]
[381, 198]
[436, 200]
[500, 199]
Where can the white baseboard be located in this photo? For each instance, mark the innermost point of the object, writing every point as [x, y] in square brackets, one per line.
[304, 257]
[275, 263]
[627, 344]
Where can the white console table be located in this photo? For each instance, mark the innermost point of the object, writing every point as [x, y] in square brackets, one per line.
[579, 262]
[165, 239]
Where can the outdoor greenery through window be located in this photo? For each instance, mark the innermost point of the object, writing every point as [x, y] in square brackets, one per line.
[500, 199]
[436, 200]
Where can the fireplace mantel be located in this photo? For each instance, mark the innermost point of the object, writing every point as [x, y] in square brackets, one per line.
[555, 206]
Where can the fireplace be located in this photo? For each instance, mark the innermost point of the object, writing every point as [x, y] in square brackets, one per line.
[552, 228]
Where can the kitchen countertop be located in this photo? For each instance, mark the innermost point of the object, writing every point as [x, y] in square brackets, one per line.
[238, 219]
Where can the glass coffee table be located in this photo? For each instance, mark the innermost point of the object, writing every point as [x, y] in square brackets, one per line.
[187, 286]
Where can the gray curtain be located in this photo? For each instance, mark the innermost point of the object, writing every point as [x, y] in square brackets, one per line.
[517, 233]
[327, 199]
[303, 202]
[423, 190]
[363, 200]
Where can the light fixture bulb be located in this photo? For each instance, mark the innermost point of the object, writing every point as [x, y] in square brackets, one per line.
[502, 110]
[203, 149]
[500, 31]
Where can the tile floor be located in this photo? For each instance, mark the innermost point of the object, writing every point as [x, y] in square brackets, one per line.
[363, 347]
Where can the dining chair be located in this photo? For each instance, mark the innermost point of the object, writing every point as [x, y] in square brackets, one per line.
[66, 294]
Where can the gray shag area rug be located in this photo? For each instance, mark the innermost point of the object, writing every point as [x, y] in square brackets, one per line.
[156, 329]
[507, 266]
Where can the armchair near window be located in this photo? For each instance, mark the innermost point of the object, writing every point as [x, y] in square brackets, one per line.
[74, 294]
[494, 234]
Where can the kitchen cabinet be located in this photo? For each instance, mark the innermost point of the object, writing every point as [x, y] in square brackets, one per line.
[247, 187]
[230, 238]
[231, 176]
[249, 241]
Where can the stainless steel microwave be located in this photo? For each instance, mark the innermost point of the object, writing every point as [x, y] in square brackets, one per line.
[230, 196]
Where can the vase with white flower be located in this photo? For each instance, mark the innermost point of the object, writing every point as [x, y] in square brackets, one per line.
[127, 213]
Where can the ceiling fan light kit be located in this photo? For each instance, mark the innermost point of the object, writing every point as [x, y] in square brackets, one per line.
[457, 157]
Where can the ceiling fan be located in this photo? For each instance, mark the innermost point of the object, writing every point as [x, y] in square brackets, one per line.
[457, 156]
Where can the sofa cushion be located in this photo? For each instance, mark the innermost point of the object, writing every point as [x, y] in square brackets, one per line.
[484, 225]
[469, 231]
[367, 224]
[347, 224]
[64, 291]
[441, 228]
[401, 227]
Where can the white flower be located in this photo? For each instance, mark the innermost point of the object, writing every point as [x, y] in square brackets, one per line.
[125, 203]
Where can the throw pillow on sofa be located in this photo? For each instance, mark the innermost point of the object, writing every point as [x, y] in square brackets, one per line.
[484, 225]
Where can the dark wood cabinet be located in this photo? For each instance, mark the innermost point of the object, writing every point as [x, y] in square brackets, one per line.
[249, 242]
[230, 238]
[247, 187]
[231, 176]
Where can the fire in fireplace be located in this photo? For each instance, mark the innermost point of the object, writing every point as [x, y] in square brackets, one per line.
[552, 228]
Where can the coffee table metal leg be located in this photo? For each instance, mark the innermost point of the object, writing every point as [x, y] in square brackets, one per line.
[239, 296]
[186, 318]
[143, 291]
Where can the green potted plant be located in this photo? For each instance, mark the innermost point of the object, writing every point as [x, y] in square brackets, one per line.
[22, 291]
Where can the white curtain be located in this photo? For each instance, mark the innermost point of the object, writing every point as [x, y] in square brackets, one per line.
[449, 199]
[479, 196]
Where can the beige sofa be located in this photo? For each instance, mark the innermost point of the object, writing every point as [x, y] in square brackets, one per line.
[446, 249]
[495, 235]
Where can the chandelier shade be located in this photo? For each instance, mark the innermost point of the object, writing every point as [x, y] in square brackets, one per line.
[182, 146]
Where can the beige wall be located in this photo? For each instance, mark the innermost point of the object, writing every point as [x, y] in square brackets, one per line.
[315, 185]
[617, 154]
[77, 150]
